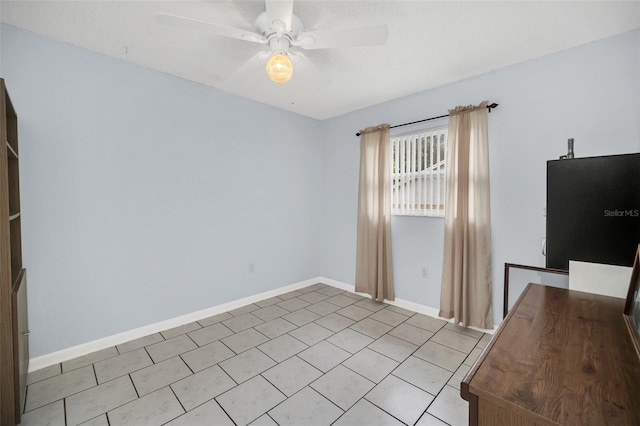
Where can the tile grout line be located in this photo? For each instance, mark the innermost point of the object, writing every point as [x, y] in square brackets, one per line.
[385, 411]
[399, 378]
[188, 366]
[270, 357]
[26, 395]
[134, 385]
[194, 342]
[238, 384]
[153, 361]
[62, 398]
[410, 384]
[95, 375]
[208, 400]
[57, 374]
[225, 411]
[325, 300]
[232, 351]
[375, 385]
[179, 402]
[340, 365]
[274, 420]
[295, 393]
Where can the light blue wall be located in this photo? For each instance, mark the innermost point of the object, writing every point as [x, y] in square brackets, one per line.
[146, 196]
[589, 93]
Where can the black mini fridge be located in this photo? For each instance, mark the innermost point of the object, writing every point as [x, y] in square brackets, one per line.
[593, 210]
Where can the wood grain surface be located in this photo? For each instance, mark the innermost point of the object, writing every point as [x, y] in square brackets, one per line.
[7, 397]
[562, 357]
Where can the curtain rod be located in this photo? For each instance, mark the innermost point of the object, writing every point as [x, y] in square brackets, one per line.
[489, 107]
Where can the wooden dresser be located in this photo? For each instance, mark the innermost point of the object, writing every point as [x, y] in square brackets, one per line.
[560, 357]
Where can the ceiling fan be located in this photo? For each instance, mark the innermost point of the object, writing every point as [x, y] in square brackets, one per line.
[283, 34]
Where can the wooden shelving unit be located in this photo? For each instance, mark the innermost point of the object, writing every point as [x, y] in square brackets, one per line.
[14, 343]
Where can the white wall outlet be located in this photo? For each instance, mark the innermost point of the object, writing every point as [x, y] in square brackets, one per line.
[251, 268]
[425, 273]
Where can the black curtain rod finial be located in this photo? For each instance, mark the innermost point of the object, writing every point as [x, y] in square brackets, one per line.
[489, 107]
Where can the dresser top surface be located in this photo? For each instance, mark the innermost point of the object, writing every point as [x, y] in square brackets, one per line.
[564, 356]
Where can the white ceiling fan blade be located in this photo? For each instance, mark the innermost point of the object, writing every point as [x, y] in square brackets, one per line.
[343, 37]
[280, 10]
[208, 27]
[305, 69]
[254, 64]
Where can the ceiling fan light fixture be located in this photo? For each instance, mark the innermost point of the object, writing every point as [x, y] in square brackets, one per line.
[279, 68]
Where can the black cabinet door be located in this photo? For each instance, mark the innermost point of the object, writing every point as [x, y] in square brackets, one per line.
[593, 210]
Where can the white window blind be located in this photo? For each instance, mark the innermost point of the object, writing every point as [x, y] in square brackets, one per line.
[418, 173]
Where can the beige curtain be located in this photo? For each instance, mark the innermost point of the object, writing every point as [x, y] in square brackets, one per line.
[466, 273]
[374, 271]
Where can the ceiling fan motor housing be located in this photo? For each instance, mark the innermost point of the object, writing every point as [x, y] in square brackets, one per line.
[277, 29]
[279, 44]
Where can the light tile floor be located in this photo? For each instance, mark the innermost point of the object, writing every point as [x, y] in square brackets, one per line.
[315, 356]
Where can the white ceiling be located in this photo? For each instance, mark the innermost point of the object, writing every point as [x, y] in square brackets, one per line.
[431, 43]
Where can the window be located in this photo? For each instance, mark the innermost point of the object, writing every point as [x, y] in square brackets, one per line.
[418, 173]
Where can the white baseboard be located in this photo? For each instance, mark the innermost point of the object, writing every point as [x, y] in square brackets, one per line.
[401, 303]
[117, 339]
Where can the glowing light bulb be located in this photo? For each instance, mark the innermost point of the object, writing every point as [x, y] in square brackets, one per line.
[279, 68]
